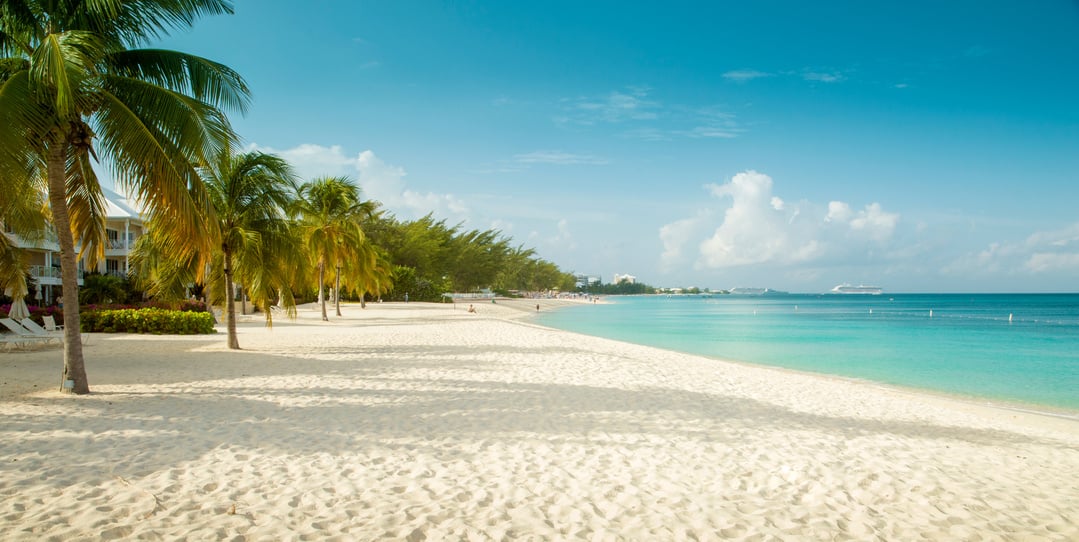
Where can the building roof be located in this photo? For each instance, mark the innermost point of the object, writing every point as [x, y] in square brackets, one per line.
[121, 207]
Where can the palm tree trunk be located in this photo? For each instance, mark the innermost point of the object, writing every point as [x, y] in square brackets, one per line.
[337, 291]
[230, 305]
[322, 298]
[74, 364]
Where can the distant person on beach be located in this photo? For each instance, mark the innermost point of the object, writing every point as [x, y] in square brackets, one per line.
[537, 307]
[471, 308]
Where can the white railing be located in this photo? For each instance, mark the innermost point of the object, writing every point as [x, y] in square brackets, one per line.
[50, 242]
[120, 244]
[45, 271]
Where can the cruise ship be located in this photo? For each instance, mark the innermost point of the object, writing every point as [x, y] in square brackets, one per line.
[860, 289]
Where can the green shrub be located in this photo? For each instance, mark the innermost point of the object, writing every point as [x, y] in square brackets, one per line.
[155, 321]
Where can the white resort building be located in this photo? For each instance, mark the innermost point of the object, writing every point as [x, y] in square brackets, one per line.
[123, 226]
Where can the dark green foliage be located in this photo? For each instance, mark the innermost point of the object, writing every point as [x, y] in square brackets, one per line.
[155, 321]
[98, 288]
[622, 288]
[418, 288]
[431, 258]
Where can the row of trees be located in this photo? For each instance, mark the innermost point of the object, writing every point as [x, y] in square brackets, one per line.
[430, 258]
[619, 288]
[78, 86]
[268, 234]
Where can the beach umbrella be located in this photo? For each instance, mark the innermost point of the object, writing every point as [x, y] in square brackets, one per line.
[17, 291]
[19, 310]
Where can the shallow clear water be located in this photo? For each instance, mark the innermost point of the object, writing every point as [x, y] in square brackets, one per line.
[962, 344]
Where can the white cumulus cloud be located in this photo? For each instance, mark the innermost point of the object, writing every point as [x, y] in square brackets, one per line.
[676, 235]
[386, 183]
[1046, 254]
[754, 229]
[759, 227]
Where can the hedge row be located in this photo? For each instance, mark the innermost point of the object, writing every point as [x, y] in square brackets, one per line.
[156, 321]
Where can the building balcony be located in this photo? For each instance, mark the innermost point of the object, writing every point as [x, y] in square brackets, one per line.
[49, 243]
[45, 274]
[119, 247]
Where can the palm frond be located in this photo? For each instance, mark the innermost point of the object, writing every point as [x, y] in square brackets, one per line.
[205, 80]
[13, 268]
[61, 73]
[130, 22]
[23, 124]
[162, 274]
[194, 128]
[86, 207]
[160, 171]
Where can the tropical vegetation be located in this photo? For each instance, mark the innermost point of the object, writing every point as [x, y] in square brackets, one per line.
[250, 240]
[148, 320]
[330, 215]
[76, 87]
[430, 258]
[619, 288]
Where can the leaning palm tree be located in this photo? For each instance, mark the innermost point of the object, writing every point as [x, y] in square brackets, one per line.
[76, 87]
[329, 216]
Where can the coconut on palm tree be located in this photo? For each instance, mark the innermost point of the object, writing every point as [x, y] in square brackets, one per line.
[76, 87]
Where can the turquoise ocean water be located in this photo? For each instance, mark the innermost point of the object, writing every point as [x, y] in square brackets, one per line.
[1011, 348]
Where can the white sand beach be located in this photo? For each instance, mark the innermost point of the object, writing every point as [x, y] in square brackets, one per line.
[425, 422]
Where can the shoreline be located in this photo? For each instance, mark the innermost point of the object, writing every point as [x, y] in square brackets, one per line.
[411, 421]
[980, 401]
[990, 404]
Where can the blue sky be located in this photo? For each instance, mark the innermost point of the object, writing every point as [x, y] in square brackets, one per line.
[919, 146]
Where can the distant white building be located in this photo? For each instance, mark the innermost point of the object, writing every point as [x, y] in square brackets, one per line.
[123, 226]
[618, 279]
[582, 281]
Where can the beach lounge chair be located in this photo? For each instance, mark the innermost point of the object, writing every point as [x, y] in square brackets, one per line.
[36, 329]
[9, 341]
[50, 324]
[15, 328]
[23, 336]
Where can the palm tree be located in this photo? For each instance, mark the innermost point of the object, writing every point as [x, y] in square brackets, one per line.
[365, 265]
[251, 193]
[371, 269]
[75, 86]
[330, 214]
[252, 242]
